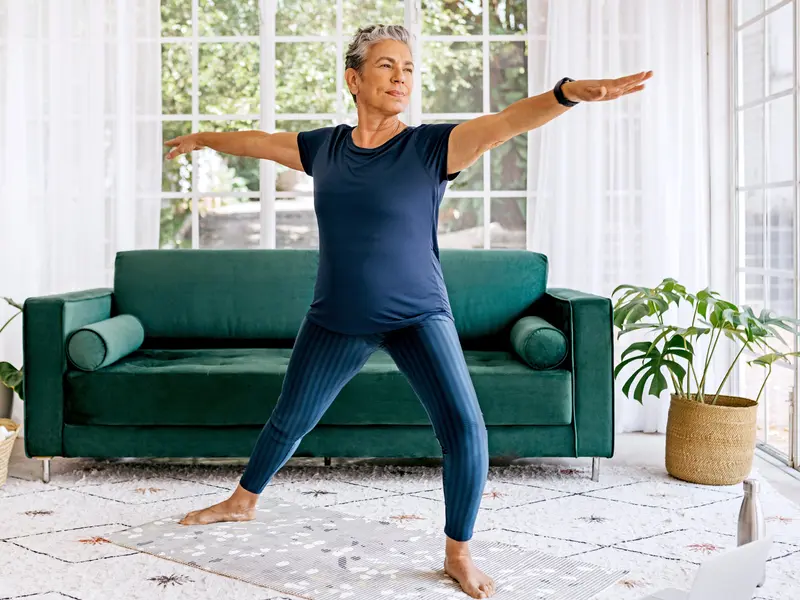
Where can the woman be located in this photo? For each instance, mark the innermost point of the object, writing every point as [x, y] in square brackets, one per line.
[377, 190]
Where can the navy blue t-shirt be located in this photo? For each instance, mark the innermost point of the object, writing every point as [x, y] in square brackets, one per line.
[377, 212]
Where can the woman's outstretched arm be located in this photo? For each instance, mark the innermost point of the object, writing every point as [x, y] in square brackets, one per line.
[279, 147]
[469, 140]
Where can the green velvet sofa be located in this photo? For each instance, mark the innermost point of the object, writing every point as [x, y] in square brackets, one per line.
[218, 331]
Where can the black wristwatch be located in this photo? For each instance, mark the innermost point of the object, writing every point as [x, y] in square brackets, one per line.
[562, 100]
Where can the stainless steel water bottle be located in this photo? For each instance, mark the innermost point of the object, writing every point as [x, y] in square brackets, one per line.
[751, 518]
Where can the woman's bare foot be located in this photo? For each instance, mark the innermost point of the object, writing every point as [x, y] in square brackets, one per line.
[458, 564]
[241, 506]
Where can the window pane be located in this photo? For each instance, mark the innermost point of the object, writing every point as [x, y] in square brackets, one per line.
[305, 77]
[751, 62]
[461, 223]
[218, 172]
[289, 180]
[510, 16]
[230, 222]
[780, 41]
[360, 13]
[305, 17]
[228, 17]
[176, 223]
[749, 9]
[754, 228]
[781, 291]
[510, 164]
[444, 17]
[176, 18]
[781, 228]
[452, 77]
[229, 81]
[296, 223]
[779, 398]
[471, 178]
[750, 379]
[176, 79]
[176, 173]
[754, 293]
[508, 73]
[751, 146]
[780, 161]
[508, 216]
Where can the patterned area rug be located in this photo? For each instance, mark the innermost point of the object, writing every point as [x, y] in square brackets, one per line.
[320, 553]
[635, 519]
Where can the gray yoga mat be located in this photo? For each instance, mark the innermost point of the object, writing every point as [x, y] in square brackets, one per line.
[322, 554]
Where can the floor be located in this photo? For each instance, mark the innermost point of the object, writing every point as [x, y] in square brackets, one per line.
[635, 519]
[632, 449]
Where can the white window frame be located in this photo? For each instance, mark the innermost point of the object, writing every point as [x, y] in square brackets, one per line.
[270, 199]
[739, 238]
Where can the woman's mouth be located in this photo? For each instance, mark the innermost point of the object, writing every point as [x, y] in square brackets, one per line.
[396, 94]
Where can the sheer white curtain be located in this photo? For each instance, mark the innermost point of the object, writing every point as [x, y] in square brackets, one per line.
[622, 191]
[80, 144]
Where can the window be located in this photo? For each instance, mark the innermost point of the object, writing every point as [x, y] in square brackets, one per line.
[766, 155]
[226, 67]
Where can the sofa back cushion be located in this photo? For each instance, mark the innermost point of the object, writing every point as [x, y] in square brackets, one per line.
[214, 298]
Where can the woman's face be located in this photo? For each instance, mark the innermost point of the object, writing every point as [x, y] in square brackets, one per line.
[387, 79]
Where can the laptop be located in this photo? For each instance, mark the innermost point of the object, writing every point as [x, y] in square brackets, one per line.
[732, 575]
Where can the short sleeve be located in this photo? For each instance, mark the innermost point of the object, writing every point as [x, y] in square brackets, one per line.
[309, 143]
[431, 144]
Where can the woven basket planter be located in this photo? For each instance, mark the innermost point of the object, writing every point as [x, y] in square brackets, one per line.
[711, 444]
[5, 448]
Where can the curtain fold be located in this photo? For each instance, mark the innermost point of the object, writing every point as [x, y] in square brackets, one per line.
[622, 186]
[80, 144]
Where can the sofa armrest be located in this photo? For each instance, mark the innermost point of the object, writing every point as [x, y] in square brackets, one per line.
[47, 321]
[587, 321]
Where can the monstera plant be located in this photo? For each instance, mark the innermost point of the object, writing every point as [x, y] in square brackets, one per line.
[710, 436]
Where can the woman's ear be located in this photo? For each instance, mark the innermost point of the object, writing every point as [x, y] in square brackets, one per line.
[351, 77]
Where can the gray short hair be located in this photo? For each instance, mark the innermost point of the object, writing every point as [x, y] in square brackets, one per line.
[366, 37]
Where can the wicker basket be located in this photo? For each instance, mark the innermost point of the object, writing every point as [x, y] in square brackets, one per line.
[6, 446]
[711, 444]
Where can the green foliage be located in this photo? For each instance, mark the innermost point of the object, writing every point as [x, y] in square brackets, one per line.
[10, 376]
[671, 353]
[451, 76]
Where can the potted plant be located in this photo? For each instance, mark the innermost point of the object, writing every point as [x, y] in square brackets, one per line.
[710, 437]
[10, 376]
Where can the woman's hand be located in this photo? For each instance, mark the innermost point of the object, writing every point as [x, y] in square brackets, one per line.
[184, 144]
[592, 90]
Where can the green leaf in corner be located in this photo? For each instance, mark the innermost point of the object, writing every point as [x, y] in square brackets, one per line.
[11, 377]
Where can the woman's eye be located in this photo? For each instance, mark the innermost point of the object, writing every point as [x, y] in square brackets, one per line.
[410, 70]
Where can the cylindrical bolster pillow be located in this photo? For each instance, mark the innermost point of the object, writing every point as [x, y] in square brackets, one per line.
[538, 343]
[100, 344]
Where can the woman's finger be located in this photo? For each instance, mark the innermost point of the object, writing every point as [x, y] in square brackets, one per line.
[633, 79]
[638, 88]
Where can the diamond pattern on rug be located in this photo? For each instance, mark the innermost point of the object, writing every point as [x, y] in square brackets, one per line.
[80, 544]
[584, 519]
[133, 575]
[498, 494]
[661, 494]
[695, 546]
[301, 550]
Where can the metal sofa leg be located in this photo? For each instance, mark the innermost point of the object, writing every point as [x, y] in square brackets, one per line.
[327, 461]
[595, 468]
[45, 468]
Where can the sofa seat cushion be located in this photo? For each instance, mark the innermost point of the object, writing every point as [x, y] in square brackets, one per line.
[241, 387]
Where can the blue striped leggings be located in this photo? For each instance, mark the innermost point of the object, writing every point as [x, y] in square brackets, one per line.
[429, 355]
